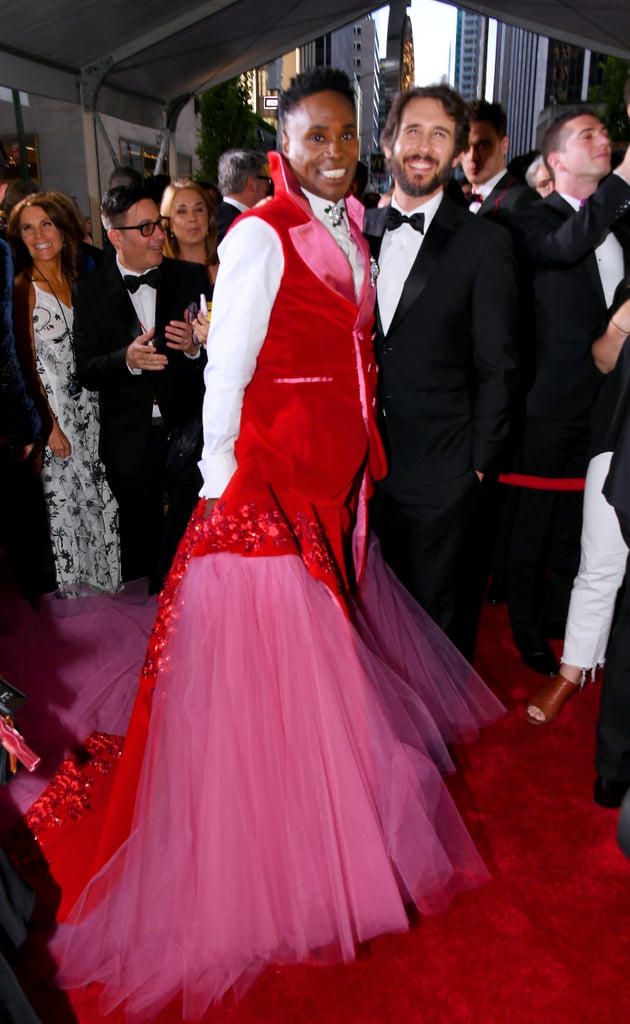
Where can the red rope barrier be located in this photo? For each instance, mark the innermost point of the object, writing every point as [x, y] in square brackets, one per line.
[542, 483]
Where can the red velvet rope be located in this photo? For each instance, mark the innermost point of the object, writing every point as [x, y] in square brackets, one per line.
[542, 483]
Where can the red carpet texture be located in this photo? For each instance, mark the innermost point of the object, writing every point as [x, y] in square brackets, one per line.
[545, 942]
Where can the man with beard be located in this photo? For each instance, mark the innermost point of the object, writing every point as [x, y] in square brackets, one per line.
[446, 325]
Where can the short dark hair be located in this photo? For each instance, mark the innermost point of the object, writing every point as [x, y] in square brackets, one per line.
[452, 102]
[117, 201]
[123, 176]
[626, 92]
[308, 83]
[493, 113]
[554, 139]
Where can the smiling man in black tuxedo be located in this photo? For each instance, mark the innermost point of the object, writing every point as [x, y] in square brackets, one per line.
[445, 344]
[136, 349]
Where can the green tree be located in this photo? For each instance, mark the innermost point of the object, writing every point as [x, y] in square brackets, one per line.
[226, 121]
[610, 95]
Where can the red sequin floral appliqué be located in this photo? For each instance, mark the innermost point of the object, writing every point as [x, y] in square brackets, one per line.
[245, 530]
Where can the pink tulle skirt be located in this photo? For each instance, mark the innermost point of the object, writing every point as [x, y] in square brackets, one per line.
[291, 802]
[78, 661]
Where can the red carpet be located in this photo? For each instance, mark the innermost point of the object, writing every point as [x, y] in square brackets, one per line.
[545, 942]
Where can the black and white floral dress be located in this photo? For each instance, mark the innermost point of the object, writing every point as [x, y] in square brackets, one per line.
[81, 508]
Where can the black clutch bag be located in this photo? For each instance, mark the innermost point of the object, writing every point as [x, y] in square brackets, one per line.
[12, 745]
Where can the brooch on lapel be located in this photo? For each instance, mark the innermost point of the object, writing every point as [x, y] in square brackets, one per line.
[374, 271]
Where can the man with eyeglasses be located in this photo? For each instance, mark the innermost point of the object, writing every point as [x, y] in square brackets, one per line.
[243, 181]
[135, 347]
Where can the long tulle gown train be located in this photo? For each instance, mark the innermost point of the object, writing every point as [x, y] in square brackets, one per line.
[290, 802]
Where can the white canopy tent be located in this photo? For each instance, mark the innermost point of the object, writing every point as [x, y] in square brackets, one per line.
[144, 60]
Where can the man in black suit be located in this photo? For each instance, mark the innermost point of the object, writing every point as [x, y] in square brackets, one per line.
[135, 347]
[576, 245]
[496, 193]
[445, 343]
[243, 181]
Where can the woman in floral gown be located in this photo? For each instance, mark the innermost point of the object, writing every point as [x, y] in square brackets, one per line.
[82, 511]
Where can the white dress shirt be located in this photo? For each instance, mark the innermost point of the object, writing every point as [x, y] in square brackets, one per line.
[485, 190]
[399, 249]
[341, 234]
[609, 256]
[231, 201]
[251, 265]
[143, 300]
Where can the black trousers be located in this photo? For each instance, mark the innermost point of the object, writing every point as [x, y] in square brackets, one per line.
[141, 504]
[612, 747]
[544, 550]
[426, 539]
[24, 527]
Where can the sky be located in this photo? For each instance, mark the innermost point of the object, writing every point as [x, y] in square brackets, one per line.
[434, 27]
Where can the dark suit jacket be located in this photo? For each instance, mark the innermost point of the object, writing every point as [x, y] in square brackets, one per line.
[225, 215]
[105, 324]
[508, 195]
[566, 294]
[448, 363]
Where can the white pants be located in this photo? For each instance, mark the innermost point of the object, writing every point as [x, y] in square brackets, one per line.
[602, 567]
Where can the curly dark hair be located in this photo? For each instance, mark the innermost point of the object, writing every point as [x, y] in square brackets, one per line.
[454, 106]
[314, 80]
[64, 214]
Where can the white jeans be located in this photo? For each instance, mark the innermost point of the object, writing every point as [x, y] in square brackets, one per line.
[602, 567]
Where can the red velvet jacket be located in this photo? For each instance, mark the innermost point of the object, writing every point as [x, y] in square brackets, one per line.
[308, 450]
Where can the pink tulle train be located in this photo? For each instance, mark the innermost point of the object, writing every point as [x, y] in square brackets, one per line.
[78, 662]
[291, 802]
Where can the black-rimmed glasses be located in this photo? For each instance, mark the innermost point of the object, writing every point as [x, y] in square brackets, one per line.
[147, 227]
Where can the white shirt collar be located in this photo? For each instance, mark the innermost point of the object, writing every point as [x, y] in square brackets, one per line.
[572, 201]
[485, 189]
[429, 208]
[235, 202]
[125, 272]
[319, 205]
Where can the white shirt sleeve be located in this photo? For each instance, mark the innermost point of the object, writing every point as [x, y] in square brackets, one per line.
[251, 265]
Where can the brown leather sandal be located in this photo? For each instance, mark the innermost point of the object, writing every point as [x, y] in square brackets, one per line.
[551, 699]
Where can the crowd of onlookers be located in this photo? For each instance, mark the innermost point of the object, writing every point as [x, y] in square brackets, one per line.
[503, 398]
[63, 528]
[104, 354]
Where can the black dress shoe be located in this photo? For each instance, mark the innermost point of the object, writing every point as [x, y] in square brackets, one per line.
[609, 792]
[536, 653]
[554, 629]
[496, 592]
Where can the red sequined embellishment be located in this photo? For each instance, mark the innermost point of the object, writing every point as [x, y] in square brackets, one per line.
[68, 794]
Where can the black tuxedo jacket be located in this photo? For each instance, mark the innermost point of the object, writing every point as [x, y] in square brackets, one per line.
[508, 195]
[225, 215]
[566, 294]
[448, 363]
[105, 323]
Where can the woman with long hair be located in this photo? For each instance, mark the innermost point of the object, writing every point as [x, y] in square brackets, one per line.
[192, 229]
[46, 235]
[192, 235]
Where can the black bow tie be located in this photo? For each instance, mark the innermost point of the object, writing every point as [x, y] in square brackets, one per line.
[394, 218]
[474, 197]
[152, 278]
